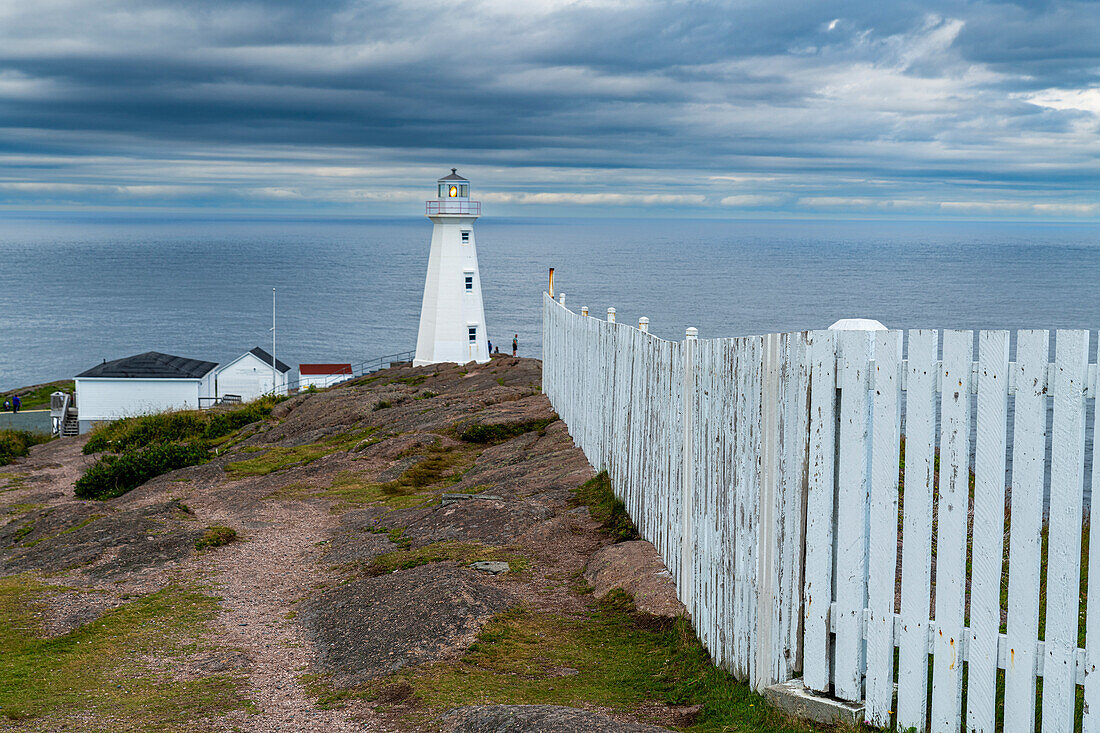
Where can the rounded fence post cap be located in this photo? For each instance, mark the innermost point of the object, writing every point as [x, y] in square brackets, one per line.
[692, 332]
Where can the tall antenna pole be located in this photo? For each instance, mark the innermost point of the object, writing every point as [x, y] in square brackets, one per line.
[274, 378]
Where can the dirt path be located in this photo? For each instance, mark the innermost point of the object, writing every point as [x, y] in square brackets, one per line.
[259, 580]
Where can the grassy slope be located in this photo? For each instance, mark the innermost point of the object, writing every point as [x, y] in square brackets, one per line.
[38, 396]
[98, 666]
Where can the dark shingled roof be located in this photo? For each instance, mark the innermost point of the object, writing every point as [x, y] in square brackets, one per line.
[453, 177]
[151, 365]
[266, 359]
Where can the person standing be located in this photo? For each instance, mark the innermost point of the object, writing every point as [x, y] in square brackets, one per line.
[16, 403]
[490, 347]
[515, 345]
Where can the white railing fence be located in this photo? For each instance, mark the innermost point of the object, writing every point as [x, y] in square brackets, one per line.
[766, 472]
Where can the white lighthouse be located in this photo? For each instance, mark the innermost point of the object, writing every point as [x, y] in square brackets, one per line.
[452, 317]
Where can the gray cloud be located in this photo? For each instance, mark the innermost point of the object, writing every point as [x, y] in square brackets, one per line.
[929, 107]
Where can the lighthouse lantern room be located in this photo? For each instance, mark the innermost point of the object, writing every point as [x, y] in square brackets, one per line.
[452, 316]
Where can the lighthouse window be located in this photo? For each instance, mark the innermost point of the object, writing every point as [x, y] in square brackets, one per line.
[465, 237]
[473, 334]
[469, 282]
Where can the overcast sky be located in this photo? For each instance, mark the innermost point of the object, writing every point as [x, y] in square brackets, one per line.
[771, 108]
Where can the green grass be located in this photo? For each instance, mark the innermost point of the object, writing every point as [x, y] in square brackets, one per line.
[38, 398]
[279, 458]
[17, 443]
[498, 433]
[21, 508]
[12, 481]
[605, 507]
[440, 468]
[410, 381]
[28, 528]
[215, 536]
[622, 661]
[463, 553]
[98, 669]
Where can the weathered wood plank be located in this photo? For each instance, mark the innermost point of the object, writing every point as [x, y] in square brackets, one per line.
[771, 447]
[817, 593]
[920, 439]
[1063, 577]
[851, 528]
[988, 537]
[1028, 463]
[951, 512]
[1091, 717]
[792, 536]
[883, 543]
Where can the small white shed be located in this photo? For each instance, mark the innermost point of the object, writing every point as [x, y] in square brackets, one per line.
[142, 384]
[249, 376]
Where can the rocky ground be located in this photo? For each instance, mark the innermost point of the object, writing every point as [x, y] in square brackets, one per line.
[353, 598]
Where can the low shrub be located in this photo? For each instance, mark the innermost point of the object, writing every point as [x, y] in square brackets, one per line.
[498, 433]
[215, 536]
[176, 427]
[382, 405]
[17, 443]
[114, 475]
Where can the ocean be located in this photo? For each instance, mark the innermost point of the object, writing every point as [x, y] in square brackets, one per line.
[75, 290]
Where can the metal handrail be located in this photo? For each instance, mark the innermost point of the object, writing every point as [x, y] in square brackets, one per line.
[363, 368]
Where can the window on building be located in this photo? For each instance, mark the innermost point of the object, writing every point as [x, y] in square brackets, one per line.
[465, 237]
[469, 282]
[473, 334]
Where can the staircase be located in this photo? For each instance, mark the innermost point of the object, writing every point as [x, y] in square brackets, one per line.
[66, 420]
[70, 426]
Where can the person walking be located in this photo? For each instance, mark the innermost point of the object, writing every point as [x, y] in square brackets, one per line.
[490, 347]
[515, 344]
[16, 403]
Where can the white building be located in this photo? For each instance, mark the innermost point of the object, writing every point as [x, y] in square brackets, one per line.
[322, 375]
[249, 376]
[142, 384]
[452, 317]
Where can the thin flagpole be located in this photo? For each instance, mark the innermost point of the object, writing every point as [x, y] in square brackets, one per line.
[274, 377]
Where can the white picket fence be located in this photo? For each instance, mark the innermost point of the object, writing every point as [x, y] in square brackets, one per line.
[765, 470]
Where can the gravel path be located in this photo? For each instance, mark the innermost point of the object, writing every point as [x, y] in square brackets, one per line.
[259, 580]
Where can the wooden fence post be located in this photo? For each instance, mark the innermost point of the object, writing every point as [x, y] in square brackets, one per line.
[687, 549]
